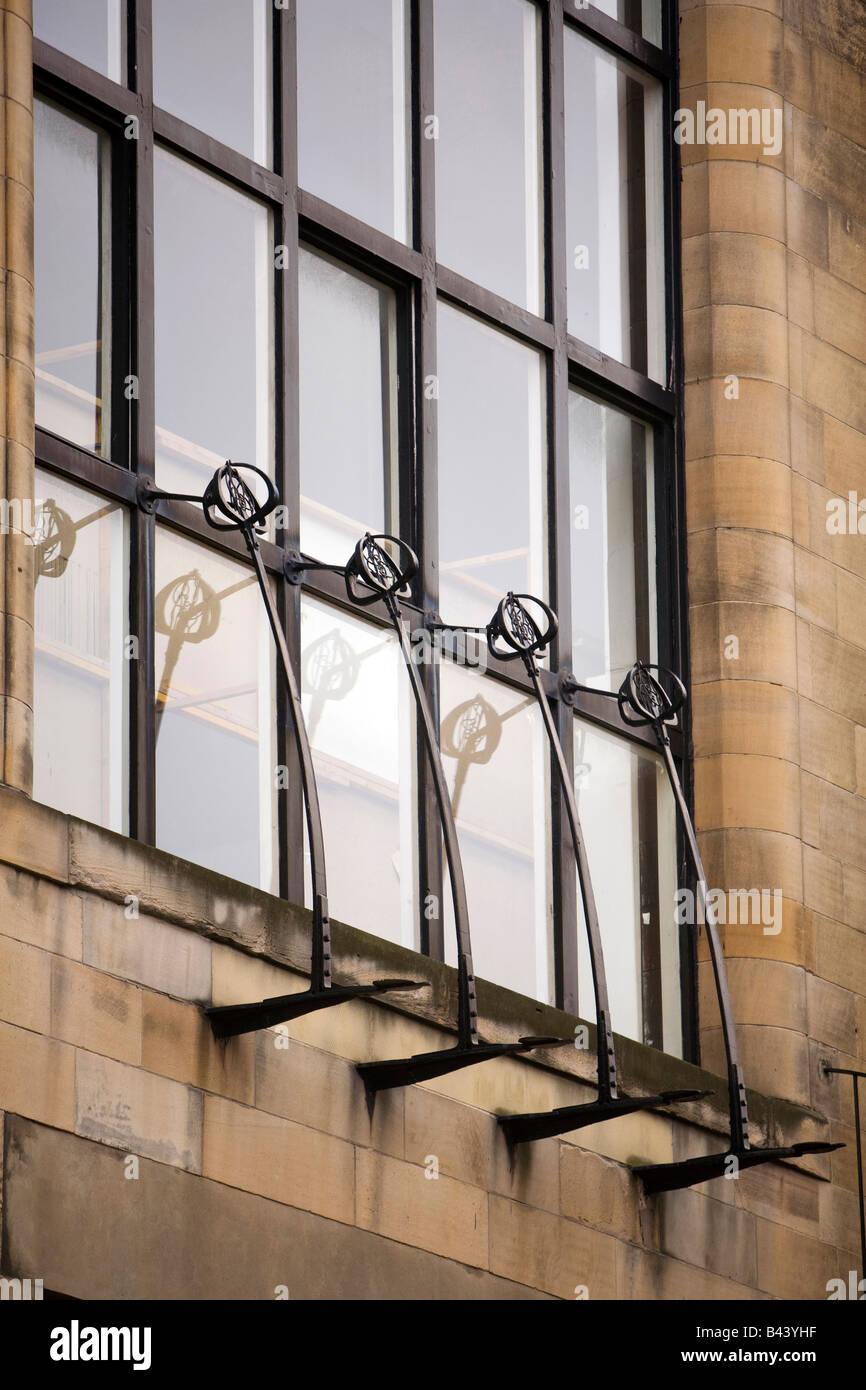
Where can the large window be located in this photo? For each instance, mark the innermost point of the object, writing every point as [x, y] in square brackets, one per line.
[414, 259]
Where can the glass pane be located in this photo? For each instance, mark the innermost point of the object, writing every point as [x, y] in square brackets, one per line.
[496, 764]
[213, 327]
[73, 278]
[354, 99]
[488, 152]
[216, 765]
[614, 207]
[348, 418]
[613, 542]
[642, 16]
[359, 715]
[212, 67]
[628, 818]
[492, 467]
[91, 31]
[81, 666]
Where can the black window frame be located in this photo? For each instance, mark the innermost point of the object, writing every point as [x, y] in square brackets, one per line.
[419, 282]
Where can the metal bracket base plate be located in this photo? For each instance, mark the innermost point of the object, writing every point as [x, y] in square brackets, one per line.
[523, 1129]
[228, 1020]
[403, 1071]
[669, 1177]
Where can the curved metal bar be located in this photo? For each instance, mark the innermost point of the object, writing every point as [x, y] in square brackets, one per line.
[320, 972]
[467, 1006]
[514, 632]
[373, 574]
[230, 503]
[738, 1106]
[607, 1083]
[657, 712]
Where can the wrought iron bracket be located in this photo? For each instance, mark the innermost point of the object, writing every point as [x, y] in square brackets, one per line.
[655, 700]
[523, 626]
[523, 1129]
[228, 1020]
[239, 497]
[670, 1177]
[296, 565]
[404, 1071]
[376, 573]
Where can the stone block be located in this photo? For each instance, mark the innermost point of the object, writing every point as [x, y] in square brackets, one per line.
[138, 1112]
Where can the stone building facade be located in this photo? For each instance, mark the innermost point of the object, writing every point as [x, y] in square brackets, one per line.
[143, 1159]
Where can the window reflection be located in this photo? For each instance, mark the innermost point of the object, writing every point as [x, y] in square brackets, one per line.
[213, 326]
[613, 541]
[360, 720]
[212, 67]
[488, 145]
[354, 97]
[73, 277]
[91, 31]
[348, 417]
[614, 207]
[215, 713]
[496, 764]
[81, 666]
[491, 468]
[628, 818]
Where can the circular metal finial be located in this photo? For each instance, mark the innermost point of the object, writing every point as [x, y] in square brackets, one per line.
[643, 699]
[378, 569]
[238, 495]
[521, 625]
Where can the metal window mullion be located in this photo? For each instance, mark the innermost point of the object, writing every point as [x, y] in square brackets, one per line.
[430, 857]
[287, 435]
[616, 38]
[143, 425]
[217, 158]
[345, 236]
[84, 86]
[486, 304]
[562, 847]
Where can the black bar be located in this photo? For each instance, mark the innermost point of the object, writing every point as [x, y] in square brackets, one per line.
[625, 43]
[217, 158]
[467, 1008]
[618, 384]
[494, 309]
[607, 1085]
[143, 427]
[859, 1138]
[545, 1124]
[331, 228]
[739, 1115]
[287, 437]
[77, 80]
[673, 1177]
[565, 888]
[425, 481]
[321, 963]
[84, 466]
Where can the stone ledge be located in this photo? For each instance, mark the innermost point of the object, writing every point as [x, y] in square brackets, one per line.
[263, 926]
